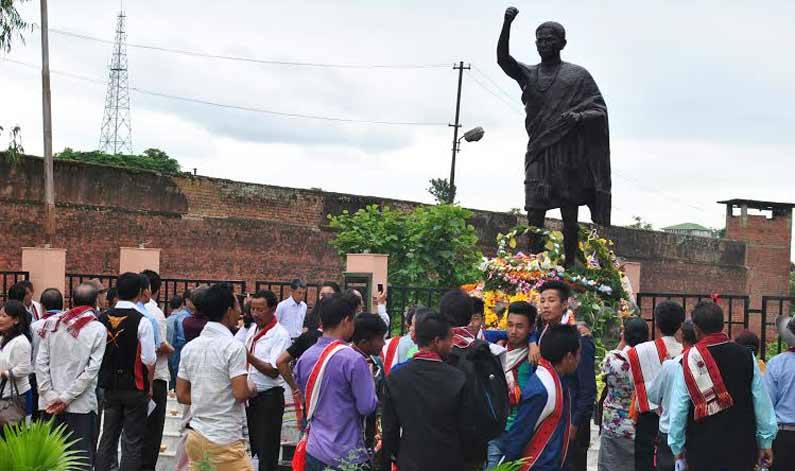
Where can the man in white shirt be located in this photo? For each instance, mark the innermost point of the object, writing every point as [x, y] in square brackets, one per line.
[213, 380]
[52, 305]
[266, 341]
[646, 360]
[157, 419]
[126, 376]
[291, 312]
[71, 349]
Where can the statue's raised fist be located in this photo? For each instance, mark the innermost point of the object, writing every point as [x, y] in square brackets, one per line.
[510, 13]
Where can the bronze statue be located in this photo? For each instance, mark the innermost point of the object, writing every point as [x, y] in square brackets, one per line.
[567, 163]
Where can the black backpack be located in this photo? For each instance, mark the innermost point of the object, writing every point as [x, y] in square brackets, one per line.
[487, 390]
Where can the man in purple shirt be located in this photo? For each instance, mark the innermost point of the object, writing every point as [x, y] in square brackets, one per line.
[347, 393]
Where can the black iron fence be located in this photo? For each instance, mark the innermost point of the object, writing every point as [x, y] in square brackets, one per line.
[401, 298]
[73, 280]
[178, 286]
[9, 279]
[772, 308]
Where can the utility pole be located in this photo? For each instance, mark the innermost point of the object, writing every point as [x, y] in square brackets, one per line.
[49, 185]
[460, 68]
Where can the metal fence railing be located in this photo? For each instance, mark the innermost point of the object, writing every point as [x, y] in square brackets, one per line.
[174, 286]
[9, 279]
[772, 308]
[400, 298]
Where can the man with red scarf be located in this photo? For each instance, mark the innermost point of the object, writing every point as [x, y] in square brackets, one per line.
[265, 342]
[721, 416]
[540, 435]
[71, 349]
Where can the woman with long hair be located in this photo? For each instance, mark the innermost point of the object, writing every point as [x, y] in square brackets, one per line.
[617, 445]
[15, 362]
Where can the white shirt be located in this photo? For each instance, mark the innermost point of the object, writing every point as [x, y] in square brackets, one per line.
[384, 317]
[67, 368]
[210, 362]
[35, 339]
[146, 337]
[673, 346]
[15, 357]
[242, 333]
[267, 349]
[36, 310]
[161, 366]
[291, 315]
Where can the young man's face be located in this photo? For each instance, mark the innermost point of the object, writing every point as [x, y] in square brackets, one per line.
[372, 346]
[28, 299]
[443, 345]
[298, 294]
[233, 315]
[570, 362]
[326, 291]
[260, 311]
[551, 306]
[476, 323]
[518, 330]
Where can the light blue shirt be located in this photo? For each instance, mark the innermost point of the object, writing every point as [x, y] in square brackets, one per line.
[141, 307]
[661, 390]
[766, 426]
[780, 383]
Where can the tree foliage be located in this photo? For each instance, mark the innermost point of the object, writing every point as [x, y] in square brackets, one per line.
[429, 246]
[151, 159]
[640, 224]
[11, 24]
[14, 150]
[442, 191]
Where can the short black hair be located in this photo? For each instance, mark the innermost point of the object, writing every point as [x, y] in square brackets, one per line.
[564, 290]
[14, 308]
[111, 294]
[334, 309]
[523, 308]
[689, 332]
[708, 317]
[559, 341]
[331, 285]
[368, 326]
[51, 299]
[85, 295]
[27, 284]
[17, 291]
[297, 283]
[430, 326]
[129, 286]
[197, 297]
[176, 301]
[636, 330]
[478, 306]
[456, 307]
[270, 299]
[216, 302]
[748, 339]
[155, 282]
[668, 316]
[411, 313]
[186, 295]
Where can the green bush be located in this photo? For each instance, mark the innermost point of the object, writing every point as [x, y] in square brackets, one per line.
[38, 447]
[152, 159]
[432, 246]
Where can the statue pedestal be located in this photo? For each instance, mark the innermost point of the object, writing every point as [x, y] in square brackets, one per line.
[136, 259]
[47, 268]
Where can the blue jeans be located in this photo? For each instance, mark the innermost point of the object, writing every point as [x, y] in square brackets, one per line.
[493, 455]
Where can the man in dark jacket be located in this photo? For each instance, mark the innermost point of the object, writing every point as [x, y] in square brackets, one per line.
[424, 421]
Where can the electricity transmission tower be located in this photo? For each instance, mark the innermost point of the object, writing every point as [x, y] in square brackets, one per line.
[116, 137]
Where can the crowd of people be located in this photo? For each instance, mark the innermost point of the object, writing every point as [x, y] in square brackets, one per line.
[446, 395]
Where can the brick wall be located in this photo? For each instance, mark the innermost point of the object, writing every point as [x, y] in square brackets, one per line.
[221, 229]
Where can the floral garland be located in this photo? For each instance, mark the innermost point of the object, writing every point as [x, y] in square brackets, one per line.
[600, 287]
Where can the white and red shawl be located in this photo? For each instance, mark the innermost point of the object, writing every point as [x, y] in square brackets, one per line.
[645, 362]
[704, 380]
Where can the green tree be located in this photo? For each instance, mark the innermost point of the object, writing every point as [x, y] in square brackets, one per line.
[427, 246]
[441, 190]
[640, 224]
[11, 24]
[14, 150]
[152, 159]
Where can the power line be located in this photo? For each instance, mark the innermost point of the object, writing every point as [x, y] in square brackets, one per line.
[207, 55]
[251, 109]
[493, 82]
[650, 189]
[509, 104]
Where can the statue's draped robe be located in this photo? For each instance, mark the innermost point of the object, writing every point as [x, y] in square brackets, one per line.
[566, 164]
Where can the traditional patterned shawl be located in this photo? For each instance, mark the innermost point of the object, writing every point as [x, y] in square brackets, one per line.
[645, 361]
[703, 378]
[512, 359]
[550, 417]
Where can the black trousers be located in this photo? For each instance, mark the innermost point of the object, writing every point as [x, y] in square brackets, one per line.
[123, 410]
[82, 428]
[646, 430]
[665, 457]
[154, 425]
[577, 459]
[264, 416]
[784, 451]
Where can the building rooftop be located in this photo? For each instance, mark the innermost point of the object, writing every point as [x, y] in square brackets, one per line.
[755, 204]
[688, 226]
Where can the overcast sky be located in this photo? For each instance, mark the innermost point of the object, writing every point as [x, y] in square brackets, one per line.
[700, 94]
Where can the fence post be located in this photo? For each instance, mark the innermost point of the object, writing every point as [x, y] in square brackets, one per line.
[47, 267]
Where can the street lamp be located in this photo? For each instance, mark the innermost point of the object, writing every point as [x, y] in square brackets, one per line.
[473, 135]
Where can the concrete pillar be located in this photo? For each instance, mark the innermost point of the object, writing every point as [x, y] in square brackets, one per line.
[47, 268]
[138, 259]
[374, 263]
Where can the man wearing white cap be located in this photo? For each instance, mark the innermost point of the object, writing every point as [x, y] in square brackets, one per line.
[780, 382]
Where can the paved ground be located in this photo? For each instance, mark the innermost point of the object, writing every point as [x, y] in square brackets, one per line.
[593, 451]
